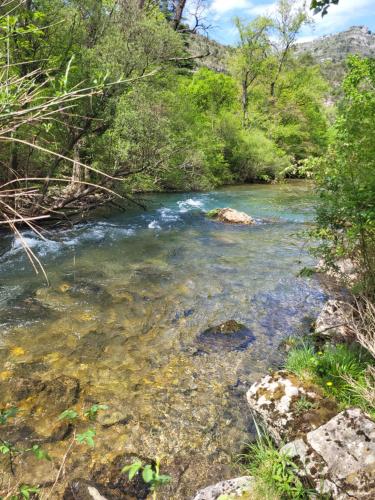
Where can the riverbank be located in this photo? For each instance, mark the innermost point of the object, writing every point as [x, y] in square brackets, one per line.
[315, 418]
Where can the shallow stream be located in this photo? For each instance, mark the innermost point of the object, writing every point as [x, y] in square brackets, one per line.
[130, 295]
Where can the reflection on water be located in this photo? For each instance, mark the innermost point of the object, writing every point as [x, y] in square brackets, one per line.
[129, 297]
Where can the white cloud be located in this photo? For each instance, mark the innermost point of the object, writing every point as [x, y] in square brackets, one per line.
[347, 13]
[222, 6]
[262, 9]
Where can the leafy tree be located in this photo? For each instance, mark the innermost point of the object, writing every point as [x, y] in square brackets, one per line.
[346, 176]
[212, 91]
[252, 56]
[287, 23]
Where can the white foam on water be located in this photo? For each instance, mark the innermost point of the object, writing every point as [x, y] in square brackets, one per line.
[154, 225]
[189, 204]
[168, 215]
[65, 239]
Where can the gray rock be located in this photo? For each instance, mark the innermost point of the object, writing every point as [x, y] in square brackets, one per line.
[333, 318]
[339, 456]
[274, 401]
[233, 487]
[344, 270]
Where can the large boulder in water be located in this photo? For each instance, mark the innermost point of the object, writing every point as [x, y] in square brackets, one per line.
[230, 216]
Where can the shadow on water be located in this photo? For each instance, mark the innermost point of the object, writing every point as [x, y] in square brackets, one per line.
[129, 312]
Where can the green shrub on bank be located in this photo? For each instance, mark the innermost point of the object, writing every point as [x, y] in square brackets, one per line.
[341, 371]
[346, 178]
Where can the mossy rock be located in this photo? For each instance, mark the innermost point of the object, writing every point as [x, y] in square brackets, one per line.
[212, 214]
[289, 407]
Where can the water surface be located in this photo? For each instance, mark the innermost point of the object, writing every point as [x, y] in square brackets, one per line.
[130, 295]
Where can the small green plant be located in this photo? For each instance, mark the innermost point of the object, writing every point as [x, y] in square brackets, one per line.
[150, 474]
[39, 453]
[25, 491]
[6, 447]
[7, 413]
[275, 473]
[301, 360]
[86, 437]
[306, 272]
[93, 411]
[303, 404]
[70, 415]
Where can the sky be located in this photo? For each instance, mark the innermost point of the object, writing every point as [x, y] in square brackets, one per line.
[220, 14]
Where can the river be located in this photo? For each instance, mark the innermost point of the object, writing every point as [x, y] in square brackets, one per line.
[129, 296]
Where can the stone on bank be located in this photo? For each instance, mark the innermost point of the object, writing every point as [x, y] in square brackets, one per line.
[232, 488]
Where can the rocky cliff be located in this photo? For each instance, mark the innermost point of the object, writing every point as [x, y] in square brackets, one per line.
[336, 48]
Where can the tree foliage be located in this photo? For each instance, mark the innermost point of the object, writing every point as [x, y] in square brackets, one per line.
[100, 99]
[346, 176]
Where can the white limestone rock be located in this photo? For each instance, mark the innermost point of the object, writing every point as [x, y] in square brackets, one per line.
[339, 456]
[233, 488]
[274, 401]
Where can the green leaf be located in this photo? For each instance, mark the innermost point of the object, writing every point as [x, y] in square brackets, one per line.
[25, 490]
[92, 412]
[86, 437]
[148, 474]
[5, 447]
[163, 479]
[68, 415]
[7, 413]
[133, 469]
[40, 453]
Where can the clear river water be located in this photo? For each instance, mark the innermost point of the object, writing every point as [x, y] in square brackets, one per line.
[129, 296]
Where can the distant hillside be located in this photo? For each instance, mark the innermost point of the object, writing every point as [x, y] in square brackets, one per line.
[335, 48]
[331, 51]
[217, 53]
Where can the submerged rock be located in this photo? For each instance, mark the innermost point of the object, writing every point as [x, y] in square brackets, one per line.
[339, 457]
[41, 403]
[288, 407]
[115, 484]
[230, 216]
[228, 328]
[83, 490]
[232, 488]
[229, 335]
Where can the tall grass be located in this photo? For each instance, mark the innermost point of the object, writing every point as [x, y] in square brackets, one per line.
[341, 370]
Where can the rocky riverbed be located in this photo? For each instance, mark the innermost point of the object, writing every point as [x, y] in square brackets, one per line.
[129, 322]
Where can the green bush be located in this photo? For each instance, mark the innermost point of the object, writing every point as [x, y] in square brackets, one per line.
[249, 152]
[332, 368]
[346, 177]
